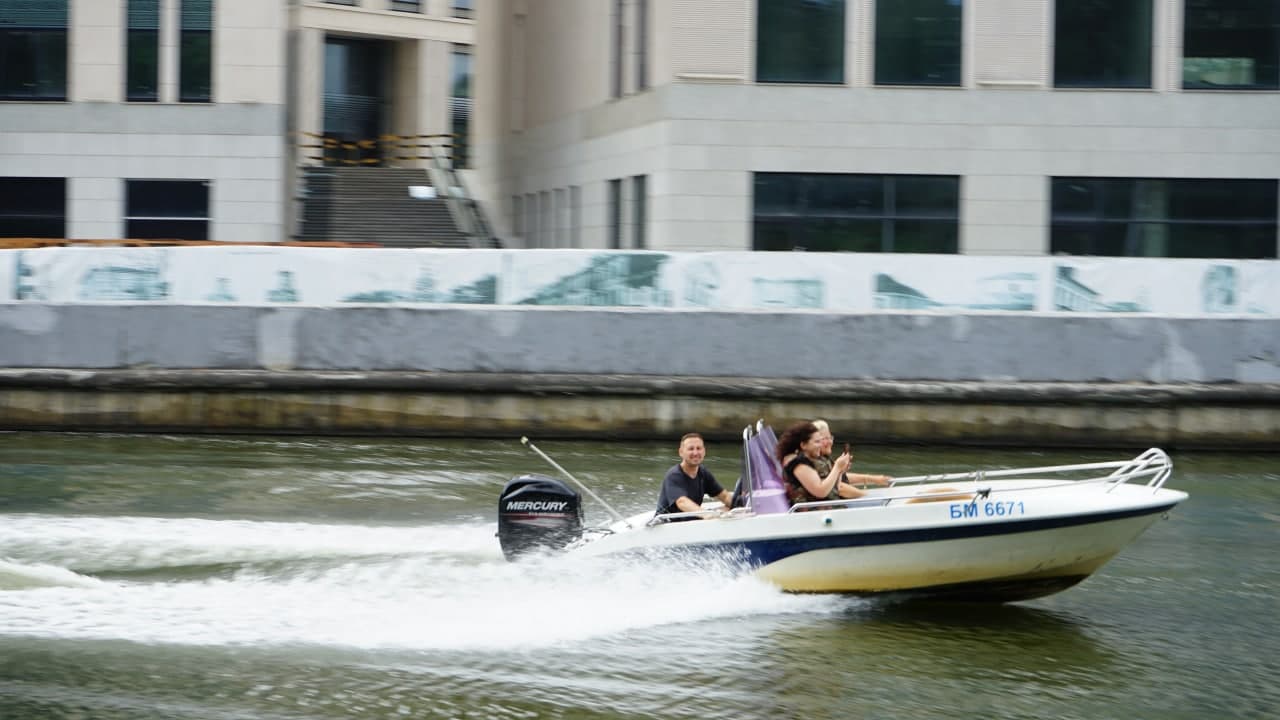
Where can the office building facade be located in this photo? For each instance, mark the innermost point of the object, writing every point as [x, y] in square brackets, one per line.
[1012, 127]
[190, 119]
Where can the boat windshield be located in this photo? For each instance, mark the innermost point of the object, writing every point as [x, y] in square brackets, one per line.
[768, 494]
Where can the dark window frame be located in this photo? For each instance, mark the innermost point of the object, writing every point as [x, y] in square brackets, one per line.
[35, 54]
[614, 210]
[405, 6]
[1089, 43]
[462, 74]
[34, 207]
[167, 209]
[639, 211]
[1217, 31]
[789, 54]
[1163, 217]
[932, 65]
[142, 51]
[196, 51]
[617, 37]
[885, 208]
[642, 45]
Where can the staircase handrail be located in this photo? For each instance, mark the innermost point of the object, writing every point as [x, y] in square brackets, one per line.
[464, 208]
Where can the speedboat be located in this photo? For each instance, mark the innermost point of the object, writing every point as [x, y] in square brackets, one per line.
[992, 535]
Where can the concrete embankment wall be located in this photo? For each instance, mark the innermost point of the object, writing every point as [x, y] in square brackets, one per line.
[1040, 379]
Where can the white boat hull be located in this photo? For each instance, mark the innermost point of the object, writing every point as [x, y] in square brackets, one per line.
[1019, 539]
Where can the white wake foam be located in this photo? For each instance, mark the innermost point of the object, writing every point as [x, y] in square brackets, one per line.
[19, 576]
[119, 544]
[448, 589]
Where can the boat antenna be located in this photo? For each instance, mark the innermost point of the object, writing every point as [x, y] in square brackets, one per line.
[616, 515]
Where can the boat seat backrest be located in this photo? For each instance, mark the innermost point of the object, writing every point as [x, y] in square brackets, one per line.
[768, 493]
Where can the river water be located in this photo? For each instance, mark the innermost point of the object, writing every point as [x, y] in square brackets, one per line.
[211, 578]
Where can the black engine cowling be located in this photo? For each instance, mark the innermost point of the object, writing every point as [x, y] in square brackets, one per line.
[536, 511]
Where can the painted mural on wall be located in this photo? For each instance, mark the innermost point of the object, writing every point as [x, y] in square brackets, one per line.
[624, 279]
[973, 283]
[841, 282]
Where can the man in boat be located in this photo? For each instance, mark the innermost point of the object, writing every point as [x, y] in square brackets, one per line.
[688, 482]
[823, 463]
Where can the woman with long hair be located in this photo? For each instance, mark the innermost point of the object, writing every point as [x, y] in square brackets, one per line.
[798, 448]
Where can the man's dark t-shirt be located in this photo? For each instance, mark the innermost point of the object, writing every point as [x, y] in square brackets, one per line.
[676, 484]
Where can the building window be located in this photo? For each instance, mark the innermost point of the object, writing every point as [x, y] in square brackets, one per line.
[857, 213]
[167, 209]
[142, 75]
[615, 214]
[1102, 43]
[575, 216]
[33, 207]
[412, 6]
[33, 50]
[562, 217]
[517, 215]
[463, 9]
[531, 220]
[918, 42]
[642, 45]
[639, 212]
[618, 32]
[546, 218]
[1231, 44]
[460, 106]
[1156, 217]
[800, 41]
[195, 47]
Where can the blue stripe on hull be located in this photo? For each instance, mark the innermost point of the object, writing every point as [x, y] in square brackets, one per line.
[758, 553]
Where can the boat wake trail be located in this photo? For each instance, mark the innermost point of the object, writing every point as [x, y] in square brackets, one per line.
[96, 545]
[18, 576]
[442, 587]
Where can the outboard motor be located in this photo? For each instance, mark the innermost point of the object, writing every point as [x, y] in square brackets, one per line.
[536, 511]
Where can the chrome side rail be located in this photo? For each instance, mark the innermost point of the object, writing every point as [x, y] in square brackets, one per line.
[1153, 464]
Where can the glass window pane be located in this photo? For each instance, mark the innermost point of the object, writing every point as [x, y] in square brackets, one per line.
[1116, 198]
[1158, 217]
[918, 42]
[33, 207]
[615, 214]
[167, 198]
[917, 196]
[827, 212]
[142, 72]
[1224, 241]
[639, 211]
[1231, 44]
[1102, 43]
[845, 194]
[460, 110]
[776, 193]
[1223, 199]
[33, 50]
[167, 229]
[800, 41]
[925, 236]
[843, 235]
[1074, 197]
[195, 63]
[1071, 238]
